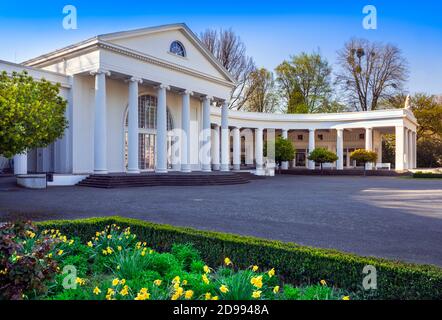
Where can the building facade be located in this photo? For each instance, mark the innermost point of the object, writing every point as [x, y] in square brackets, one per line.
[155, 99]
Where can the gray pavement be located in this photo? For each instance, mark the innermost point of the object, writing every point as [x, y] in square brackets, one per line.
[397, 218]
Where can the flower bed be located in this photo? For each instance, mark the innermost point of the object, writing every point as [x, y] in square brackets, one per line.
[297, 265]
[115, 265]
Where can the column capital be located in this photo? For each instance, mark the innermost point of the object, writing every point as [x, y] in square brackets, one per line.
[207, 98]
[312, 130]
[135, 79]
[162, 86]
[187, 93]
[100, 71]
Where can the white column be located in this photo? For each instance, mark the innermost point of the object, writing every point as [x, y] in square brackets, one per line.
[248, 145]
[285, 164]
[176, 160]
[406, 148]
[215, 148]
[21, 163]
[369, 144]
[311, 147]
[185, 126]
[414, 150]
[225, 150]
[205, 157]
[340, 149]
[400, 148]
[410, 150]
[259, 151]
[132, 133]
[236, 149]
[348, 159]
[100, 130]
[161, 143]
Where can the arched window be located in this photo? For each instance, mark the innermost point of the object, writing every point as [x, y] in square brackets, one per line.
[147, 125]
[177, 48]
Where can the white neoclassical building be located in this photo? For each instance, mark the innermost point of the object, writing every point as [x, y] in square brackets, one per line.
[147, 100]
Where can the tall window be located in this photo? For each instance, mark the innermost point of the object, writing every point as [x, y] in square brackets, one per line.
[177, 48]
[147, 125]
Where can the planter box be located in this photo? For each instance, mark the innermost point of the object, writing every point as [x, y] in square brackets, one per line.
[32, 181]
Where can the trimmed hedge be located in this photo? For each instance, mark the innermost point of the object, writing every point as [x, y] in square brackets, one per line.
[427, 175]
[295, 264]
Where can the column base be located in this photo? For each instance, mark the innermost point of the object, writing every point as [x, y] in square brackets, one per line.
[206, 168]
[215, 167]
[236, 167]
[185, 168]
[285, 166]
[101, 171]
[160, 170]
[133, 171]
[225, 167]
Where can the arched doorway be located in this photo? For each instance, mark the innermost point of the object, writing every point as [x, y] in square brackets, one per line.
[147, 126]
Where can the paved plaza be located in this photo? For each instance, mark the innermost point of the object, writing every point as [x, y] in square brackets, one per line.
[398, 218]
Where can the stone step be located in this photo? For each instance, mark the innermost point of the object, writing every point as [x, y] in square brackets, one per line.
[151, 180]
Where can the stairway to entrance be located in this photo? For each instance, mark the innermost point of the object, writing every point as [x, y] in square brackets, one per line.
[123, 180]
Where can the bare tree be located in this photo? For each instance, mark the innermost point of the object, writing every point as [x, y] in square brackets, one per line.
[370, 72]
[230, 51]
[263, 97]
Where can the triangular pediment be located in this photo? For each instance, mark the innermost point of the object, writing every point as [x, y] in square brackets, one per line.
[156, 41]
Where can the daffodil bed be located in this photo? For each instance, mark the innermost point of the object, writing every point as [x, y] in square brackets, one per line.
[115, 265]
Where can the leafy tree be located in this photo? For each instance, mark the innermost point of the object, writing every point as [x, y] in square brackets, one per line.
[264, 97]
[305, 82]
[31, 113]
[322, 155]
[428, 112]
[284, 150]
[364, 156]
[370, 72]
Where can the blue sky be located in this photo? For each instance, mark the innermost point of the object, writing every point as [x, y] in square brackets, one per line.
[272, 30]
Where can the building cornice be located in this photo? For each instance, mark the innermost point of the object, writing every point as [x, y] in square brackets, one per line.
[319, 117]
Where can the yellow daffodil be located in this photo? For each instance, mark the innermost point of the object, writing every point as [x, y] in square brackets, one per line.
[177, 279]
[188, 294]
[227, 261]
[109, 250]
[157, 282]
[205, 279]
[97, 291]
[256, 294]
[206, 269]
[323, 282]
[60, 252]
[97, 234]
[123, 281]
[257, 282]
[224, 289]
[207, 296]
[346, 298]
[119, 248]
[104, 252]
[89, 244]
[124, 291]
[109, 236]
[71, 242]
[118, 267]
[115, 282]
[215, 298]
[80, 281]
[276, 289]
[50, 255]
[255, 268]
[184, 282]
[271, 272]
